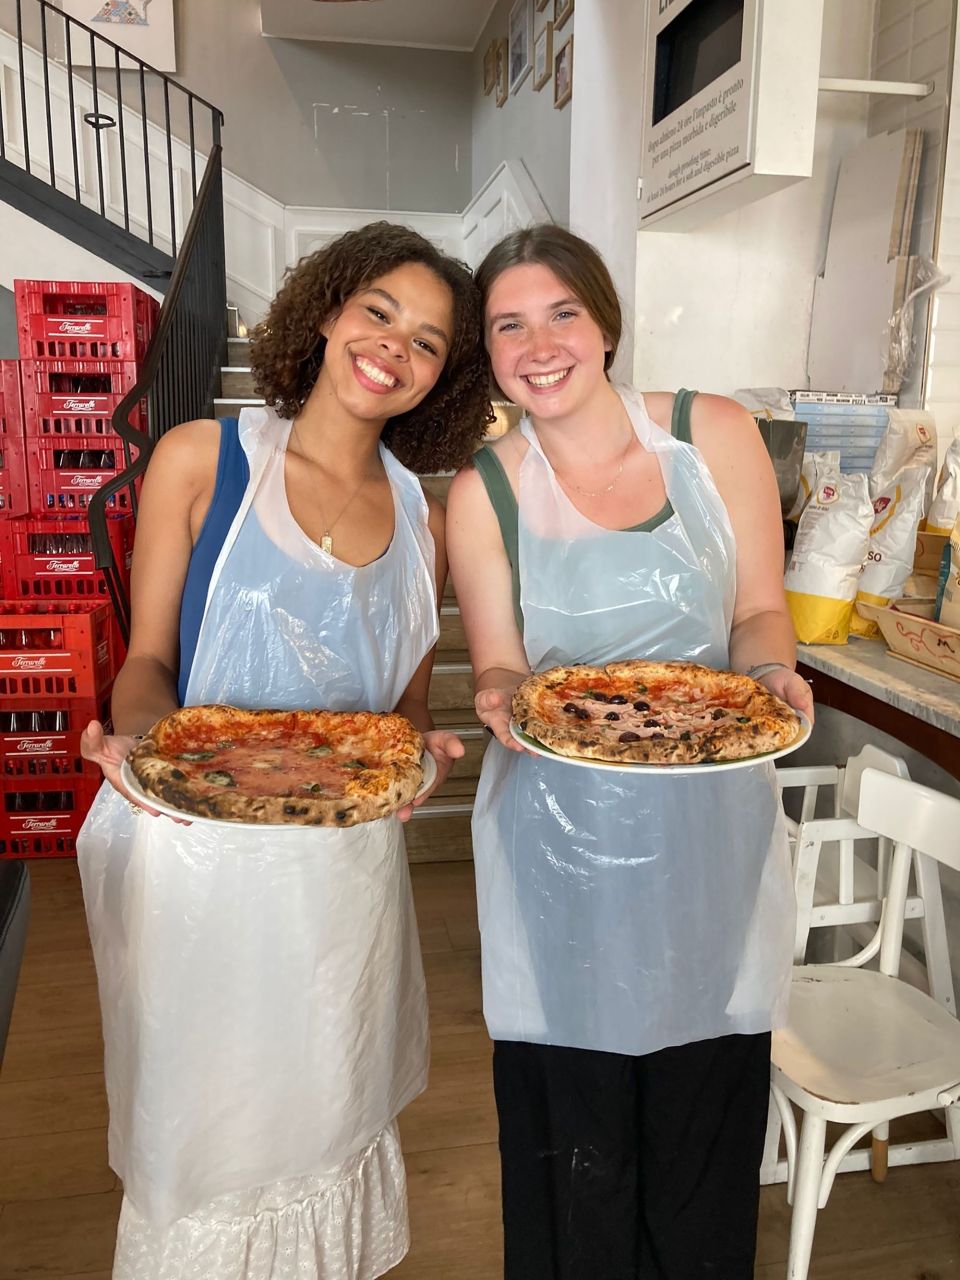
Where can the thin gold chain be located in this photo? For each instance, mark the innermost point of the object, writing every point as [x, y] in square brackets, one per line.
[326, 541]
[598, 493]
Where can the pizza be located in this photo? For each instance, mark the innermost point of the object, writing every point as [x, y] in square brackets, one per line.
[309, 768]
[653, 713]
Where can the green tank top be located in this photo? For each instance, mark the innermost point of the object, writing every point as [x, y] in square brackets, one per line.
[504, 502]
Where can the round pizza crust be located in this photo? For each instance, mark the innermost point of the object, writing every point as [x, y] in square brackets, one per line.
[370, 793]
[762, 723]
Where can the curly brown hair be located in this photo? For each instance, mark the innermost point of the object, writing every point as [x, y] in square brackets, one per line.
[286, 349]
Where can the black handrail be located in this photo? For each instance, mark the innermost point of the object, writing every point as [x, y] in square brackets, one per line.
[181, 370]
[107, 62]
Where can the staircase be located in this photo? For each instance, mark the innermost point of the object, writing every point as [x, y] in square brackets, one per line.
[440, 828]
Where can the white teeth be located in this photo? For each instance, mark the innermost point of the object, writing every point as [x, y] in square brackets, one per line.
[546, 379]
[378, 375]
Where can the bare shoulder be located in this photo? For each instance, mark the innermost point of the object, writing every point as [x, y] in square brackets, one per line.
[192, 445]
[710, 414]
[183, 470]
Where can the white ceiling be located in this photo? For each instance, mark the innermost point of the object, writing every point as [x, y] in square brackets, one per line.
[425, 24]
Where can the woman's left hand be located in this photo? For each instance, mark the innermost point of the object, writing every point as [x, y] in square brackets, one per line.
[445, 747]
[791, 688]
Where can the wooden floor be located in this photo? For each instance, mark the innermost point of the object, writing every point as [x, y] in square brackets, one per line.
[59, 1200]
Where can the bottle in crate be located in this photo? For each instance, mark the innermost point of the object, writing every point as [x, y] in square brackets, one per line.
[43, 558]
[75, 399]
[42, 740]
[41, 817]
[55, 650]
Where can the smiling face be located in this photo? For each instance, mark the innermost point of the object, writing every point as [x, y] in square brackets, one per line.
[546, 349]
[388, 345]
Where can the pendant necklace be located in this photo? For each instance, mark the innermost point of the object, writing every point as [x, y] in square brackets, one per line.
[326, 539]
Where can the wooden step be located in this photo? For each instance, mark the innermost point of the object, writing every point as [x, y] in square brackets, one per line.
[451, 630]
[238, 351]
[451, 686]
[439, 832]
[438, 485]
[237, 381]
[230, 406]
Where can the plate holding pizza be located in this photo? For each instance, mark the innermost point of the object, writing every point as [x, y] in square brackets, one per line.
[279, 768]
[676, 716]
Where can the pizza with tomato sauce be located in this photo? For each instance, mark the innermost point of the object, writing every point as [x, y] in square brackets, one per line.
[653, 713]
[310, 768]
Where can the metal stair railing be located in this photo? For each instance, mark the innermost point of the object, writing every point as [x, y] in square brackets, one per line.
[136, 175]
[181, 370]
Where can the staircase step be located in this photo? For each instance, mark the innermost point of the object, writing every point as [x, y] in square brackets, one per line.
[238, 351]
[236, 380]
[438, 485]
[439, 832]
[451, 630]
[230, 406]
[452, 687]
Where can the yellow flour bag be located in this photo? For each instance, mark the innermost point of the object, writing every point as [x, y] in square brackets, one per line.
[832, 541]
[893, 539]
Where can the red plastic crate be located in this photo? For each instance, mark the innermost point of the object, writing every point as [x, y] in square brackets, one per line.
[54, 649]
[83, 320]
[44, 558]
[43, 741]
[14, 477]
[63, 477]
[11, 409]
[41, 817]
[73, 388]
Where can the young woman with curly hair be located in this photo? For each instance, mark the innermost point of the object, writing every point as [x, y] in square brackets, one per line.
[262, 991]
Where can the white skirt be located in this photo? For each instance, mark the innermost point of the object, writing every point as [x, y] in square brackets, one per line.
[349, 1223]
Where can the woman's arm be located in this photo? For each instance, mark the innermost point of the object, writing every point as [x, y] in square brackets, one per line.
[762, 631]
[444, 746]
[484, 584]
[177, 489]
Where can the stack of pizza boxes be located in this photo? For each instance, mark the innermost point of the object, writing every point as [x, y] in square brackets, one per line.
[81, 348]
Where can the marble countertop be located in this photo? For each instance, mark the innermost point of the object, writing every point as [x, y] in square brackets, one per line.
[869, 667]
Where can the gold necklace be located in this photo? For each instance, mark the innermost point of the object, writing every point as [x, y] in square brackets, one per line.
[326, 540]
[598, 493]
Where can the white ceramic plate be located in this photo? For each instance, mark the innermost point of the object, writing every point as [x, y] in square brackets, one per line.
[149, 802]
[708, 766]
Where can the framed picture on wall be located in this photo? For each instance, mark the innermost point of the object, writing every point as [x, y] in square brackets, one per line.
[142, 27]
[521, 41]
[543, 57]
[490, 67]
[563, 74]
[562, 10]
[503, 80]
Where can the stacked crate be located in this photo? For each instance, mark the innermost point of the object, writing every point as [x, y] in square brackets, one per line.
[81, 345]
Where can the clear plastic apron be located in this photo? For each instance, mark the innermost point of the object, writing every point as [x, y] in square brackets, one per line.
[263, 1000]
[627, 913]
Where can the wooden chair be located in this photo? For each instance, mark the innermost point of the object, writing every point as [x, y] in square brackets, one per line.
[862, 1047]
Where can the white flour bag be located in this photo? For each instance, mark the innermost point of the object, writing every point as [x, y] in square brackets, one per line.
[831, 544]
[816, 470]
[893, 540]
[946, 501]
[910, 440]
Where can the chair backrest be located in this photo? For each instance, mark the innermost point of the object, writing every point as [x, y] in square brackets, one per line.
[917, 819]
[911, 815]
[868, 757]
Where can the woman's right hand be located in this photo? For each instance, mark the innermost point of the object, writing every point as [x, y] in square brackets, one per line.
[493, 707]
[109, 751]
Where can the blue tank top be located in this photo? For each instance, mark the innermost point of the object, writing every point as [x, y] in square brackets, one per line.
[233, 476]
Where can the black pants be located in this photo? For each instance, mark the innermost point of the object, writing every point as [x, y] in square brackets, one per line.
[631, 1168]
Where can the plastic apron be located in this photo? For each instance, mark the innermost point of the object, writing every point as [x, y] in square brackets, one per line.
[263, 999]
[629, 912]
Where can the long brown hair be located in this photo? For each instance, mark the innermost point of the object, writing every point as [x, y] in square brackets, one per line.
[286, 349]
[571, 259]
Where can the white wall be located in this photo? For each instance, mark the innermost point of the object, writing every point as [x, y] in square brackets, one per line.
[605, 144]
[527, 131]
[729, 306]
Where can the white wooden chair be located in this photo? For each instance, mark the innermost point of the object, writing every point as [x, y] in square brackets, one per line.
[837, 886]
[863, 1047]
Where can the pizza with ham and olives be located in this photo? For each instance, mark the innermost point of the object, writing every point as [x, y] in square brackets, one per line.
[653, 713]
[309, 768]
